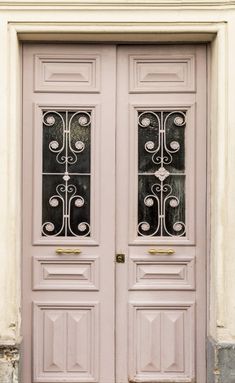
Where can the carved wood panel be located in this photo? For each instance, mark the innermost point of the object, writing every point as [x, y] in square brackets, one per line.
[65, 342]
[67, 73]
[162, 341]
[159, 73]
[66, 274]
[147, 273]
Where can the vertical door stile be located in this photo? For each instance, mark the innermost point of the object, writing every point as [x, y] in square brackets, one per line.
[122, 205]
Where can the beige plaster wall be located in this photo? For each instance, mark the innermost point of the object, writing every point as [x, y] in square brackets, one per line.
[189, 21]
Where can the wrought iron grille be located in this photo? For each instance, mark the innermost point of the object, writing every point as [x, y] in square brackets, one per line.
[66, 173]
[161, 173]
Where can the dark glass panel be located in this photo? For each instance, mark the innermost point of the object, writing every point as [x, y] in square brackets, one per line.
[161, 150]
[175, 206]
[80, 141]
[66, 150]
[175, 137]
[53, 196]
[147, 134]
[53, 138]
[172, 145]
[148, 206]
[79, 206]
[59, 218]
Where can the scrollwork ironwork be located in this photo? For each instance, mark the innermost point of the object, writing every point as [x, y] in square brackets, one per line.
[161, 205]
[65, 144]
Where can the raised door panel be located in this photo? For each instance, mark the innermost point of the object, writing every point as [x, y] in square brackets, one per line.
[74, 273]
[148, 349]
[162, 342]
[67, 73]
[152, 273]
[79, 341]
[159, 72]
[65, 342]
[173, 339]
[54, 341]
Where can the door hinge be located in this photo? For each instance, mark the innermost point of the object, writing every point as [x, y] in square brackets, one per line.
[120, 258]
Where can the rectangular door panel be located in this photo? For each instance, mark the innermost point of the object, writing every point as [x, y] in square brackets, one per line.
[161, 342]
[159, 72]
[65, 273]
[67, 73]
[66, 342]
[161, 274]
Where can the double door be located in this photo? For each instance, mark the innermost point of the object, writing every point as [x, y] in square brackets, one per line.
[114, 213]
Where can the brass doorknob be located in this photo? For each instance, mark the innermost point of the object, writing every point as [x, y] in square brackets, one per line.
[68, 251]
[161, 251]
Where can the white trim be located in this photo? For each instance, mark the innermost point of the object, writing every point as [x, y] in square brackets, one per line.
[118, 4]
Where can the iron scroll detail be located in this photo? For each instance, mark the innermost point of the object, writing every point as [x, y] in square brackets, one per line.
[66, 173]
[161, 173]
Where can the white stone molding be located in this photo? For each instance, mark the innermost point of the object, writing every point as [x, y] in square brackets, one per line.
[117, 4]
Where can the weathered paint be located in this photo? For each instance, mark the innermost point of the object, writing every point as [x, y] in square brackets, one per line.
[9, 364]
[220, 362]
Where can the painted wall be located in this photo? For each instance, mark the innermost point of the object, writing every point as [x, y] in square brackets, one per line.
[209, 20]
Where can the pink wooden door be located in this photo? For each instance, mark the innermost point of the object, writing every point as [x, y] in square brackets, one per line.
[114, 162]
[161, 215]
[69, 221]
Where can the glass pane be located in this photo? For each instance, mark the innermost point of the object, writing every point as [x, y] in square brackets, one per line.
[161, 169]
[66, 173]
[53, 142]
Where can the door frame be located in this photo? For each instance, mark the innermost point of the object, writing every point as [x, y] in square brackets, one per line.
[213, 34]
